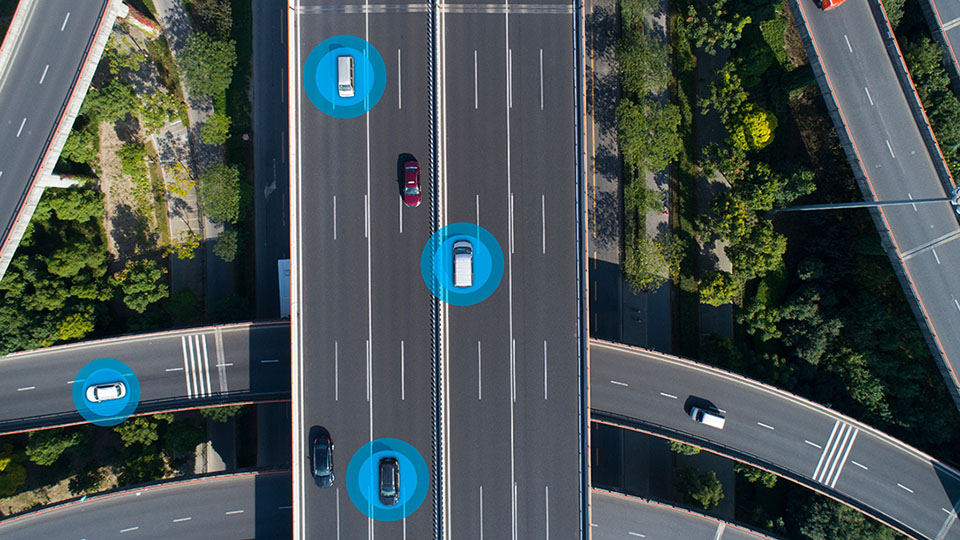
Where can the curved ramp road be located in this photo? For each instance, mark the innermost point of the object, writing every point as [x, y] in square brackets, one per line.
[946, 15]
[179, 369]
[218, 508]
[615, 516]
[46, 62]
[888, 147]
[781, 432]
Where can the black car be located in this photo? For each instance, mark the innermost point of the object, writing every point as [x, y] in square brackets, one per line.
[323, 459]
[389, 481]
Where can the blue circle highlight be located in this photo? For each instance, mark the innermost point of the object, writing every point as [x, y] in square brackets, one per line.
[111, 412]
[320, 76]
[436, 264]
[363, 479]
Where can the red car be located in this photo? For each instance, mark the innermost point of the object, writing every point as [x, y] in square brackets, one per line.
[411, 183]
[829, 4]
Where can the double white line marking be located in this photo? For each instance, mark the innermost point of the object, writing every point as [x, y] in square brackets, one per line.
[196, 364]
[835, 453]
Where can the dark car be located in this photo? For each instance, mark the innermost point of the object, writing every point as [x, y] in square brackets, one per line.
[389, 481]
[411, 183]
[323, 459]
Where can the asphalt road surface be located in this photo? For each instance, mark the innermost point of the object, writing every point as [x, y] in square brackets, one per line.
[776, 430]
[896, 161]
[512, 359]
[947, 15]
[177, 369]
[615, 517]
[228, 508]
[364, 312]
[34, 91]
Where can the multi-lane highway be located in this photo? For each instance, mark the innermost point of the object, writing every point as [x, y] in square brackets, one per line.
[361, 313]
[889, 150]
[615, 516]
[227, 508]
[509, 166]
[48, 45]
[780, 432]
[176, 369]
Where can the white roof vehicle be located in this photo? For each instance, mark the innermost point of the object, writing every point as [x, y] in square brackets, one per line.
[462, 263]
[706, 417]
[106, 392]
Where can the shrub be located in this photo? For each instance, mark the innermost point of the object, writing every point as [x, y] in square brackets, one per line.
[718, 287]
[219, 195]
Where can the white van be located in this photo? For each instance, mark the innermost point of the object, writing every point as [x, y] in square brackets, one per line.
[462, 263]
[345, 76]
[709, 418]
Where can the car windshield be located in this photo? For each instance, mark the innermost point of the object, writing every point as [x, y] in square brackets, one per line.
[411, 191]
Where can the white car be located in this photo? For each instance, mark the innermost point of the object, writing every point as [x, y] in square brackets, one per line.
[106, 392]
[462, 263]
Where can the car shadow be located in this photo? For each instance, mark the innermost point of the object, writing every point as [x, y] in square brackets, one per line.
[701, 403]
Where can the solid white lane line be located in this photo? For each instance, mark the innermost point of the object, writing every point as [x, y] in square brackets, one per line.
[543, 224]
[44, 76]
[513, 369]
[515, 513]
[935, 256]
[366, 217]
[336, 371]
[768, 426]
[890, 148]
[399, 77]
[479, 373]
[179, 520]
[186, 366]
[366, 35]
[905, 488]
[864, 467]
[546, 499]
[338, 513]
[232, 512]
[367, 348]
[619, 383]
[25, 388]
[19, 131]
[849, 48]
[544, 369]
[65, 19]
[509, 78]
[671, 396]
[400, 213]
[481, 512]
[478, 215]
[541, 79]
[867, 90]
[813, 444]
[511, 223]
[476, 102]
[334, 217]
[403, 375]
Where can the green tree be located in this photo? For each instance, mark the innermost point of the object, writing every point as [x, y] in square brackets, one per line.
[718, 287]
[649, 262]
[215, 17]
[824, 519]
[717, 27]
[221, 414]
[122, 55]
[924, 58]
[133, 157]
[226, 245]
[753, 475]
[207, 64]
[757, 253]
[683, 449]
[83, 144]
[894, 9]
[753, 128]
[805, 329]
[78, 324]
[215, 130]
[649, 136]
[110, 103]
[219, 193]
[159, 107]
[145, 467]
[727, 95]
[12, 472]
[700, 487]
[641, 59]
[80, 204]
[140, 430]
[46, 446]
[140, 284]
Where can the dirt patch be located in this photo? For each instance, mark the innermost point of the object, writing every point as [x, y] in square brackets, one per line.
[792, 41]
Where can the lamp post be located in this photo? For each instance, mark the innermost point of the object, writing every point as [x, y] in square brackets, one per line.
[954, 201]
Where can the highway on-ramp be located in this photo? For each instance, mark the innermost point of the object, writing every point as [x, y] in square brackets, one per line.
[780, 432]
[615, 516]
[175, 369]
[217, 508]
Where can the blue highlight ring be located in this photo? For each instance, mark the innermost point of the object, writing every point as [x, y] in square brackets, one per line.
[436, 264]
[320, 76]
[112, 412]
[363, 479]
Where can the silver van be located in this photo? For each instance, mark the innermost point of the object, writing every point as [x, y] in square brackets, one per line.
[462, 263]
[707, 417]
[345, 76]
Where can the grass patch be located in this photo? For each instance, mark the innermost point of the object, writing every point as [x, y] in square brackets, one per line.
[774, 33]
